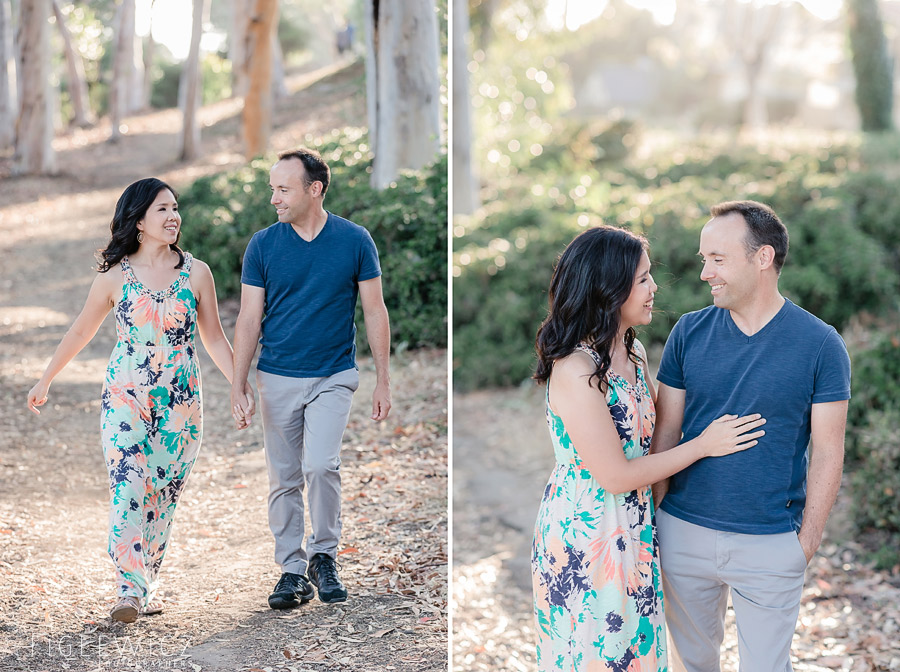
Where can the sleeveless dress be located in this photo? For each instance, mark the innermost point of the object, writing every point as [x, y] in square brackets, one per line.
[151, 424]
[598, 600]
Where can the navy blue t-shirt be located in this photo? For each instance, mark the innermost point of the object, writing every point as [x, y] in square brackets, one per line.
[793, 362]
[311, 290]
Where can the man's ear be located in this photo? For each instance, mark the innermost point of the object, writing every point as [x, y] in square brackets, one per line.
[766, 256]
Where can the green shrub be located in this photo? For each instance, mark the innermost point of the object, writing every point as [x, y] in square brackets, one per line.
[496, 312]
[407, 221]
[875, 388]
[844, 257]
[215, 81]
[876, 482]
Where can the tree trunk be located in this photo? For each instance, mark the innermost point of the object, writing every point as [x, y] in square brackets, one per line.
[872, 66]
[8, 110]
[34, 153]
[149, 55]
[257, 113]
[279, 86]
[407, 88]
[371, 71]
[75, 68]
[135, 99]
[757, 31]
[190, 136]
[118, 87]
[237, 47]
[465, 186]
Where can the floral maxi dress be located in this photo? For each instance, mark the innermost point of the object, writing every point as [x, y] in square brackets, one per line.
[151, 424]
[595, 559]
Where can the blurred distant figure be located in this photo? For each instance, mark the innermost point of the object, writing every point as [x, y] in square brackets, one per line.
[345, 39]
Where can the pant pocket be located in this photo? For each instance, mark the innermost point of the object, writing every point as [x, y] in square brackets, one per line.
[798, 547]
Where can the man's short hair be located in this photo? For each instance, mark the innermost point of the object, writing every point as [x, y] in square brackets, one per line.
[316, 168]
[763, 228]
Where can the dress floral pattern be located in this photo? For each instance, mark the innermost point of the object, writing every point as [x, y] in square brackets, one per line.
[598, 600]
[151, 424]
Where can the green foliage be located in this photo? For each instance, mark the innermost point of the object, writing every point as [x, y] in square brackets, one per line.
[840, 213]
[496, 313]
[408, 222]
[872, 64]
[876, 483]
[293, 30]
[215, 80]
[875, 390]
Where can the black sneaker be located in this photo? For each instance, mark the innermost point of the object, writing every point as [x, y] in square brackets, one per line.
[291, 591]
[324, 576]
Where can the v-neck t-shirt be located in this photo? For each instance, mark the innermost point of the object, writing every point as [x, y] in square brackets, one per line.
[793, 362]
[308, 328]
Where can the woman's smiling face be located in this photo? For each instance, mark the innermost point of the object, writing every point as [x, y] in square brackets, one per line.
[161, 222]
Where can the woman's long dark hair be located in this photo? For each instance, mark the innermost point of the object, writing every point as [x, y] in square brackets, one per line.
[593, 278]
[130, 209]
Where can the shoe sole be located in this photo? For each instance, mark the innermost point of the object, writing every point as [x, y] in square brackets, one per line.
[333, 600]
[124, 615]
[288, 602]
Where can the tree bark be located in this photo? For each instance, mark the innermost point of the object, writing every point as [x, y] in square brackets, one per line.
[757, 30]
[872, 65]
[279, 86]
[135, 97]
[78, 92]
[237, 47]
[190, 136]
[8, 100]
[370, 37]
[118, 87]
[465, 185]
[149, 54]
[257, 113]
[34, 153]
[407, 88]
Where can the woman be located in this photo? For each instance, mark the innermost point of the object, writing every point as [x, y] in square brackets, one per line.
[151, 412]
[597, 595]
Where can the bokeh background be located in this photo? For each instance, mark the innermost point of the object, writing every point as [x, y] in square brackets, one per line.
[643, 114]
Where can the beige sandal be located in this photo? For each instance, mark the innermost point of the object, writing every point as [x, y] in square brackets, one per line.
[126, 609]
[153, 608]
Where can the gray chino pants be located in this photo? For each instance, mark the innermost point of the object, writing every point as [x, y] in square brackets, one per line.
[303, 425]
[764, 573]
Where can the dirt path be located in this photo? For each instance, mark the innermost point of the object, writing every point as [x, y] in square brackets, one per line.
[55, 578]
[849, 617]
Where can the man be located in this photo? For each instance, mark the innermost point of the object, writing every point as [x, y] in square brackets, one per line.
[749, 522]
[303, 274]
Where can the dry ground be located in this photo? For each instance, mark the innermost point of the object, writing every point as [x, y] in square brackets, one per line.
[55, 578]
[502, 457]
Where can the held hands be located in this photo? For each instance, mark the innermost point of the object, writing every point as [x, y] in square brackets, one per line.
[731, 434]
[38, 396]
[243, 405]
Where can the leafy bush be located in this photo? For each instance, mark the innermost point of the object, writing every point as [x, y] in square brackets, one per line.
[215, 81]
[876, 483]
[407, 221]
[875, 389]
[841, 212]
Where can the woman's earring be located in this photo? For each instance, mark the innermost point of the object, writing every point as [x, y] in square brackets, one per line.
[140, 237]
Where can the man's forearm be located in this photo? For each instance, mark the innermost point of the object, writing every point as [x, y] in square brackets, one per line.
[378, 334]
[246, 338]
[823, 484]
